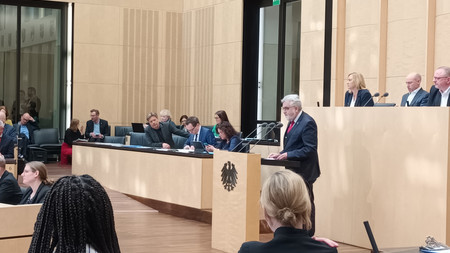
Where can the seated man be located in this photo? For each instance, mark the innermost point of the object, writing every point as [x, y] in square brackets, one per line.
[416, 96]
[198, 133]
[6, 143]
[10, 192]
[159, 134]
[25, 129]
[9, 130]
[96, 128]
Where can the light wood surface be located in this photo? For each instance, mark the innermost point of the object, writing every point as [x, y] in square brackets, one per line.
[385, 165]
[235, 210]
[181, 180]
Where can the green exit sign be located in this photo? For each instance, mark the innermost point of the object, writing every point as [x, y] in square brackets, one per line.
[275, 2]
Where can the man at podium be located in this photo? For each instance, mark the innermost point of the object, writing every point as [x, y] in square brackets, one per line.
[300, 144]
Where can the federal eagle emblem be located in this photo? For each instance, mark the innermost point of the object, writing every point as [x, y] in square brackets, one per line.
[229, 176]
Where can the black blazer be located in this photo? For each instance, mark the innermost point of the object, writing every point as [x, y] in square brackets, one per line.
[10, 131]
[7, 146]
[167, 129]
[362, 98]
[287, 240]
[31, 127]
[104, 128]
[301, 145]
[420, 99]
[435, 97]
[10, 192]
[38, 197]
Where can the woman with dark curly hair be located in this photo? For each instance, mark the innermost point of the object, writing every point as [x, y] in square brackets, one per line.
[230, 138]
[76, 216]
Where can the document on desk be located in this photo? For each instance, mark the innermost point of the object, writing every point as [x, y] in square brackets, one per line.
[185, 150]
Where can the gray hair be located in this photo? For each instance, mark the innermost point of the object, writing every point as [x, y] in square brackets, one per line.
[294, 99]
[446, 69]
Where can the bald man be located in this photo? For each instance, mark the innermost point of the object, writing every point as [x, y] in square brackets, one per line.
[439, 92]
[416, 96]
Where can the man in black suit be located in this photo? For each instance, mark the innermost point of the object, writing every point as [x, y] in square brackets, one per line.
[25, 129]
[96, 128]
[300, 144]
[416, 96]
[440, 91]
[10, 192]
[159, 134]
[6, 143]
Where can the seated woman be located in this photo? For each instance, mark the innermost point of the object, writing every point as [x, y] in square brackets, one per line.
[183, 119]
[357, 94]
[34, 175]
[230, 138]
[76, 216]
[220, 116]
[286, 205]
[72, 134]
[7, 121]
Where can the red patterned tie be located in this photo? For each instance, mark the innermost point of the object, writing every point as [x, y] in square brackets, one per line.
[290, 126]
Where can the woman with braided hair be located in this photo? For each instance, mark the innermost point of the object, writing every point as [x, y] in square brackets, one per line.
[285, 200]
[76, 216]
[34, 175]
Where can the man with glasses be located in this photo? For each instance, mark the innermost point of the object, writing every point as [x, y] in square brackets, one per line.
[300, 144]
[198, 133]
[439, 92]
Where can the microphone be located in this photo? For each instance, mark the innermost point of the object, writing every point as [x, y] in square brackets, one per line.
[271, 125]
[407, 103]
[243, 139]
[278, 125]
[374, 95]
[383, 96]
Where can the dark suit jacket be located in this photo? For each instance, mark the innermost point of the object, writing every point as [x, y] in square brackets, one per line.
[232, 146]
[10, 131]
[31, 127]
[361, 98]
[301, 145]
[7, 146]
[288, 240]
[38, 197]
[10, 192]
[420, 99]
[435, 97]
[167, 129]
[206, 136]
[104, 128]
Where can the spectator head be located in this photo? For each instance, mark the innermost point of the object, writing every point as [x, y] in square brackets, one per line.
[441, 78]
[355, 81]
[220, 116]
[2, 116]
[292, 106]
[193, 125]
[2, 164]
[285, 200]
[3, 109]
[153, 120]
[413, 81]
[76, 211]
[35, 172]
[95, 115]
[164, 115]
[183, 119]
[31, 92]
[226, 130]
[74, 125]
[24, 118]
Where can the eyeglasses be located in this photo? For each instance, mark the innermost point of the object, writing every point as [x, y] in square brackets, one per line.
[439, 77]
[286, 108]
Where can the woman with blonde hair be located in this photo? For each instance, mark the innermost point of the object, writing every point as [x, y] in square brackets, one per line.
[35, 176]
[357, 94]
[287, 209]
[72, 134]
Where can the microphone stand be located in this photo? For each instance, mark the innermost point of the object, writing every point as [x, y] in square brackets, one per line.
[276, 126]
[243, 139]
[374, 95]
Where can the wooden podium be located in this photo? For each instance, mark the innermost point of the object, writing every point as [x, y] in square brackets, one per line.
[236, 192]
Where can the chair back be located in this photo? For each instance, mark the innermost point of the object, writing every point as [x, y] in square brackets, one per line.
[122, 130]
[138, 139]
[46, 136]
[179, 141]
[115, 139]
